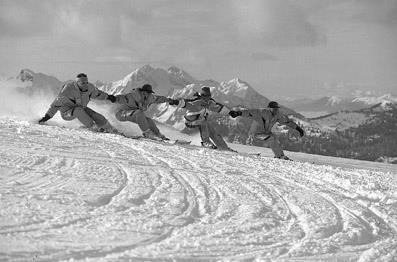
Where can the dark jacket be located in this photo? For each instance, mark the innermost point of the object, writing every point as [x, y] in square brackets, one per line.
[135, 100]
[264, 120]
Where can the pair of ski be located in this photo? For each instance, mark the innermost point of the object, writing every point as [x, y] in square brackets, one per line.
[187, 142]
[166, 141]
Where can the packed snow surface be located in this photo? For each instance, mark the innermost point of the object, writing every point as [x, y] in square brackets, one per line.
[71, 194]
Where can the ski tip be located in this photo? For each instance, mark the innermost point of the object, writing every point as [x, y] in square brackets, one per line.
[183, 142]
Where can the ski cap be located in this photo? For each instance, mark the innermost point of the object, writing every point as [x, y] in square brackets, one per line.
[273, 104]
[146, 88]
[205, 91]
[81, 75]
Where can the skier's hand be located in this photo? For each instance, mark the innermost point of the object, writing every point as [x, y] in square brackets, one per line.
[111, 98]
[173, 102]
[189, 125]
[300, 130]
[44, 119]
[235, 114]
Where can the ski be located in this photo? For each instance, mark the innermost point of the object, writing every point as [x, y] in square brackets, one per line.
[166, 141]
[243, 153]
[187, 142]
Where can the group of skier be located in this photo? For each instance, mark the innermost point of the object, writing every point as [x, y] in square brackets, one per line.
[74, 96]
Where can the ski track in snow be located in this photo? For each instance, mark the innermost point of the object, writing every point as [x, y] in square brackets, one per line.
[73, 194]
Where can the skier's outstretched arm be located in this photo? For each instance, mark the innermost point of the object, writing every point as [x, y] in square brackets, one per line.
[162, 99]
[219, 108]
[291, 124]
[250, 113]
[99, 94]
[54, 107]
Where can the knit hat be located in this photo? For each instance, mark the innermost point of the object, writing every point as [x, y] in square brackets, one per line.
[273, 104]
[146, 88]
[205, 91]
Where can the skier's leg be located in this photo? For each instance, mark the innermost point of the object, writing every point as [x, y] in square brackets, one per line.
[99, 119]
[135, 116]
[122, 115]
[101, 122]
[275, 146]
[67, 113]
[205, 135]
[79, 113]
[217, 138]
[155, 129]
[138, 116]
[152, 125]
[250, 140]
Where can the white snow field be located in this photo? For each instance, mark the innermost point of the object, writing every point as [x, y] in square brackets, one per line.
[74, 195]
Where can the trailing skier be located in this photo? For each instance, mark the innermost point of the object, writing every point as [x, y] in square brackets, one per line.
[72, 103]
[264, 120]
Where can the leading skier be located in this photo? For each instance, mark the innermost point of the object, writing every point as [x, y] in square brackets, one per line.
[72, 102]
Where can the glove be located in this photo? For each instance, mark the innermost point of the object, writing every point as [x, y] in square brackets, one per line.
[300, 130]
[44, 119]
[111, 98]
[174, 102]
[235, 114]
[189, 125]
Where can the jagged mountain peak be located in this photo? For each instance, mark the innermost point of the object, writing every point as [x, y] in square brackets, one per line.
[163, 81]
[26, 75]
[371, 100]
[238, 80]
[180, 77]
[332, 100]
[176, 70]
[239, 88]
[235, 83]
[145, 69]
[31, 81]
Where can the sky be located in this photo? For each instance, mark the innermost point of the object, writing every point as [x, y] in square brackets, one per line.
[291, 48]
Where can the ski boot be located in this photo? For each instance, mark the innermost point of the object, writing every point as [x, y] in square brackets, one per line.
[151, 135]
[283, 157]
[163, 137]
[208, 144]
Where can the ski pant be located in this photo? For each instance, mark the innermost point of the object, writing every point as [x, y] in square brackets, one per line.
[270, 140]
[207, 132]
[138, 117]
[85, 115]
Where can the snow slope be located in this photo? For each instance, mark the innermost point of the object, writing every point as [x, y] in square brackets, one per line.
[74, 194]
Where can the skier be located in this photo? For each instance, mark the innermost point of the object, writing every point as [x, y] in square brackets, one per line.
[264, 119]
[72, 102]
[134, 106]
[197, 116]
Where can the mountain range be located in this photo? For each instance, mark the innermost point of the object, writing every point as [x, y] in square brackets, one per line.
[177, 83]
[315, 107]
